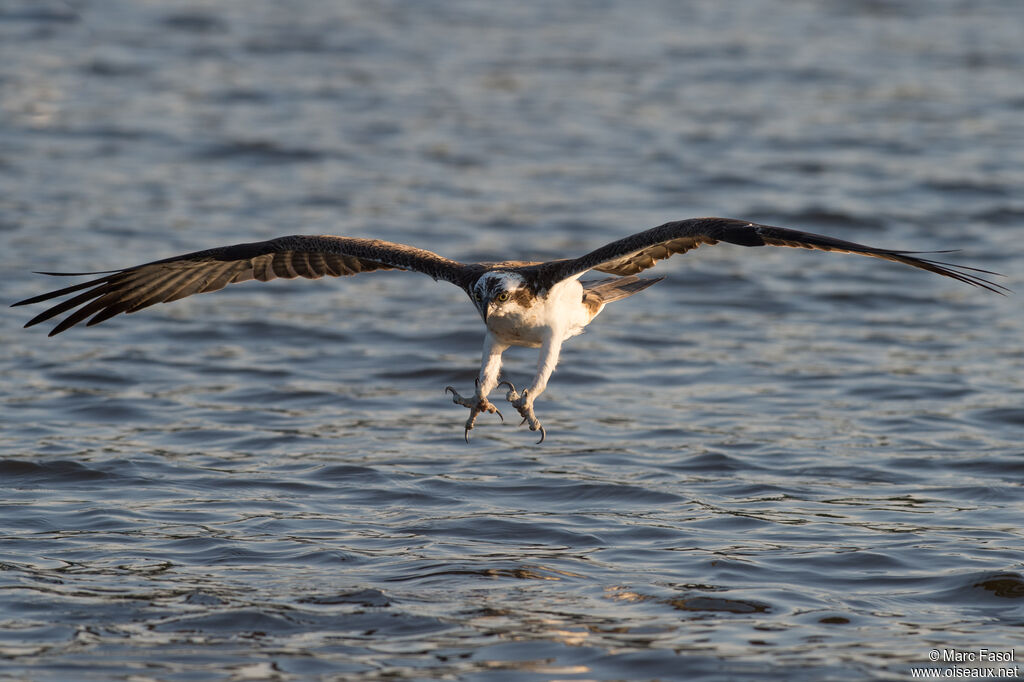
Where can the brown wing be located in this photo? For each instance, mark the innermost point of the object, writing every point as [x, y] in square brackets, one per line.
[312, 257]
[643, 250]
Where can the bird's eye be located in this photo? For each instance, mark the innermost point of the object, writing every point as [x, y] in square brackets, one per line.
[476, 296]
[503, 296]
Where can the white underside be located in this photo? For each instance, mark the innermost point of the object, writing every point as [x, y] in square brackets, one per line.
[558, 316]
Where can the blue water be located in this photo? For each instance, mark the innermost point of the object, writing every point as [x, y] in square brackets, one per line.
[772, 465]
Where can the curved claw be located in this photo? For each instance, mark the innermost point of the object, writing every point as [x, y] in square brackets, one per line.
[524, 406]
[477, 405]
[510, 386]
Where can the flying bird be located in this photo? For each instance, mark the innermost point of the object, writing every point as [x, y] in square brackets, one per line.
[532, 304]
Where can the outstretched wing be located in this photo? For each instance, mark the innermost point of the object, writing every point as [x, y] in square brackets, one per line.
[312, 257]
[643, 250]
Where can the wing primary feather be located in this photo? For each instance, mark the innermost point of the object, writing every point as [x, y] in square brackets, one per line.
[64, 306]
[84, 312]
[74, 274]
[66, 290]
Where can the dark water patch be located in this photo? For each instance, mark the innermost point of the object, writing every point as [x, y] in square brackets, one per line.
[969, 186]
[108, 133]
[501, 531]
[438, 373]
[257, 323]
[717, 605]
[726, 520]
[195, 22]
[369, 598]
[110, 410]
[234, 622]
[258, 152]
[202, 436]
[857, 296]
[559, 493]
[339, 202]
[649, 532]
[662, 434]
[908, 502]
[713, 463]
[94, 520]
[1002, 215]
[199, 598]
[255, 483]
[54, 472]
[410, 498]
[238, 95]
[984, 589]
[1004, 585]
[866, 474]
[280, 397]
[205, 551]
[753, 493]
[822, 217]
[722, 180]
[447, 157]
[349, 473]
[35, 12]
[853, 562]
[265, 622]
[298, 42]
[33, 636]
[107, 68]
[979, 494]
[427, 574]
[91, 378]
[910, 390]
[1003, 468]
[1000, 416]
[281, 442]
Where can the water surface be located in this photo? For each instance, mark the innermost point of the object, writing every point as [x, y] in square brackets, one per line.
[773, 464]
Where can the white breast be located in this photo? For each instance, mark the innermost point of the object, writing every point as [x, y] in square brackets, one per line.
[561, 313]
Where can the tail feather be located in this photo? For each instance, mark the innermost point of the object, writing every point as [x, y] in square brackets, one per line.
[599, 293]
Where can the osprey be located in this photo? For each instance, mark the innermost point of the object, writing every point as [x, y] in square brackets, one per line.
[532, 304]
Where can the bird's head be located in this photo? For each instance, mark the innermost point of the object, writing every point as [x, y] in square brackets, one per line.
[500, 293]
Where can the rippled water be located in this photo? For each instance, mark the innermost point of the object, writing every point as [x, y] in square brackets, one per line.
[774, 464]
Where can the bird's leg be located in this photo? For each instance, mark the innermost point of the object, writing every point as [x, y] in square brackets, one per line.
[490, 365]
[523, 402]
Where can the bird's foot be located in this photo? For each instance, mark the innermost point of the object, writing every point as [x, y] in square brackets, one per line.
[476, 405]
[524, 405]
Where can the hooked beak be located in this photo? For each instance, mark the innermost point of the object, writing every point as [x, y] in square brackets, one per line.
[482, 305]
